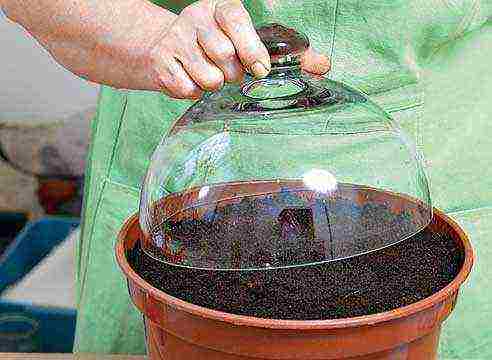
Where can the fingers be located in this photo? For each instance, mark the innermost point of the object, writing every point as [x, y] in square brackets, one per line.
[198, 73]
[203, 72]
[213, 42]
[315, 63]
[209, 44]
[235, 22]
[175, 82]
[221, 51]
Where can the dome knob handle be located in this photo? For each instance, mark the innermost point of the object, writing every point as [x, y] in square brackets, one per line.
[285, 45]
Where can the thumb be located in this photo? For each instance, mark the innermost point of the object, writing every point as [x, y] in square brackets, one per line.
[314, 62]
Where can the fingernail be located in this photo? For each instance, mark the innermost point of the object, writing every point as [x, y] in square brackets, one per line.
[259, 70]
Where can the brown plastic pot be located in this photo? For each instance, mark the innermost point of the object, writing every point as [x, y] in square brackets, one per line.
[178, 330]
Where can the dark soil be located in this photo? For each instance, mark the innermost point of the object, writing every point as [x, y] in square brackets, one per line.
[367, 284]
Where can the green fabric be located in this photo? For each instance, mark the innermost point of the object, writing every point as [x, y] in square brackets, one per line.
[467, 333]
[390, 49]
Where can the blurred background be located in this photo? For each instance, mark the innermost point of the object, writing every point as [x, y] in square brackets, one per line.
[45, 117]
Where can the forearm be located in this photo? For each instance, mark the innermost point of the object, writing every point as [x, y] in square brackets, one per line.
[104, 41]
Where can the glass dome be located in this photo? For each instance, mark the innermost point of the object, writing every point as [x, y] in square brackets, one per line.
[289, 170]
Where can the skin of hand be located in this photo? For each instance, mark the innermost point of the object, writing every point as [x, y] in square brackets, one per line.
[210, 43]
[133, 44]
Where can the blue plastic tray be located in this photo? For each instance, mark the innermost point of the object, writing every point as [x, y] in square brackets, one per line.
[31, 245]
[55, 327]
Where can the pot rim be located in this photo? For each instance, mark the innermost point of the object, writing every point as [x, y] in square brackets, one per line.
[251, 321]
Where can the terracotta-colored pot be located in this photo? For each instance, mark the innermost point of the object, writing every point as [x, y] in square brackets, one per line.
[177, 330]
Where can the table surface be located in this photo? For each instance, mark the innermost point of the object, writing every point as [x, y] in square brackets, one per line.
[18, 356]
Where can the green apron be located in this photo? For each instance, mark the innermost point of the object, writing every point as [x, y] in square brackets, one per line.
[390, 49]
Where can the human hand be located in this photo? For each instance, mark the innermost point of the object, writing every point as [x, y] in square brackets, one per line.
[134, 44]
[210, 43]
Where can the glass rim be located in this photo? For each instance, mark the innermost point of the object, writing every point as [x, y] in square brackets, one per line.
[425, 204]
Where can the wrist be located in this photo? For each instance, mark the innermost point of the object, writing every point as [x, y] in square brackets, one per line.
[124, 62]
[159, 22]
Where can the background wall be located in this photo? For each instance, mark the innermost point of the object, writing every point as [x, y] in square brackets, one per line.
[39, 102]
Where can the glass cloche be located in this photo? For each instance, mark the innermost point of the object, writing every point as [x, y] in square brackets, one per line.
[289, 170]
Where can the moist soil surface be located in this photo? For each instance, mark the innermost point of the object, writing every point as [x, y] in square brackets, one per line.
[383, 280]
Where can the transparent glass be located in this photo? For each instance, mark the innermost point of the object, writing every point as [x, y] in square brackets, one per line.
[289, 170]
